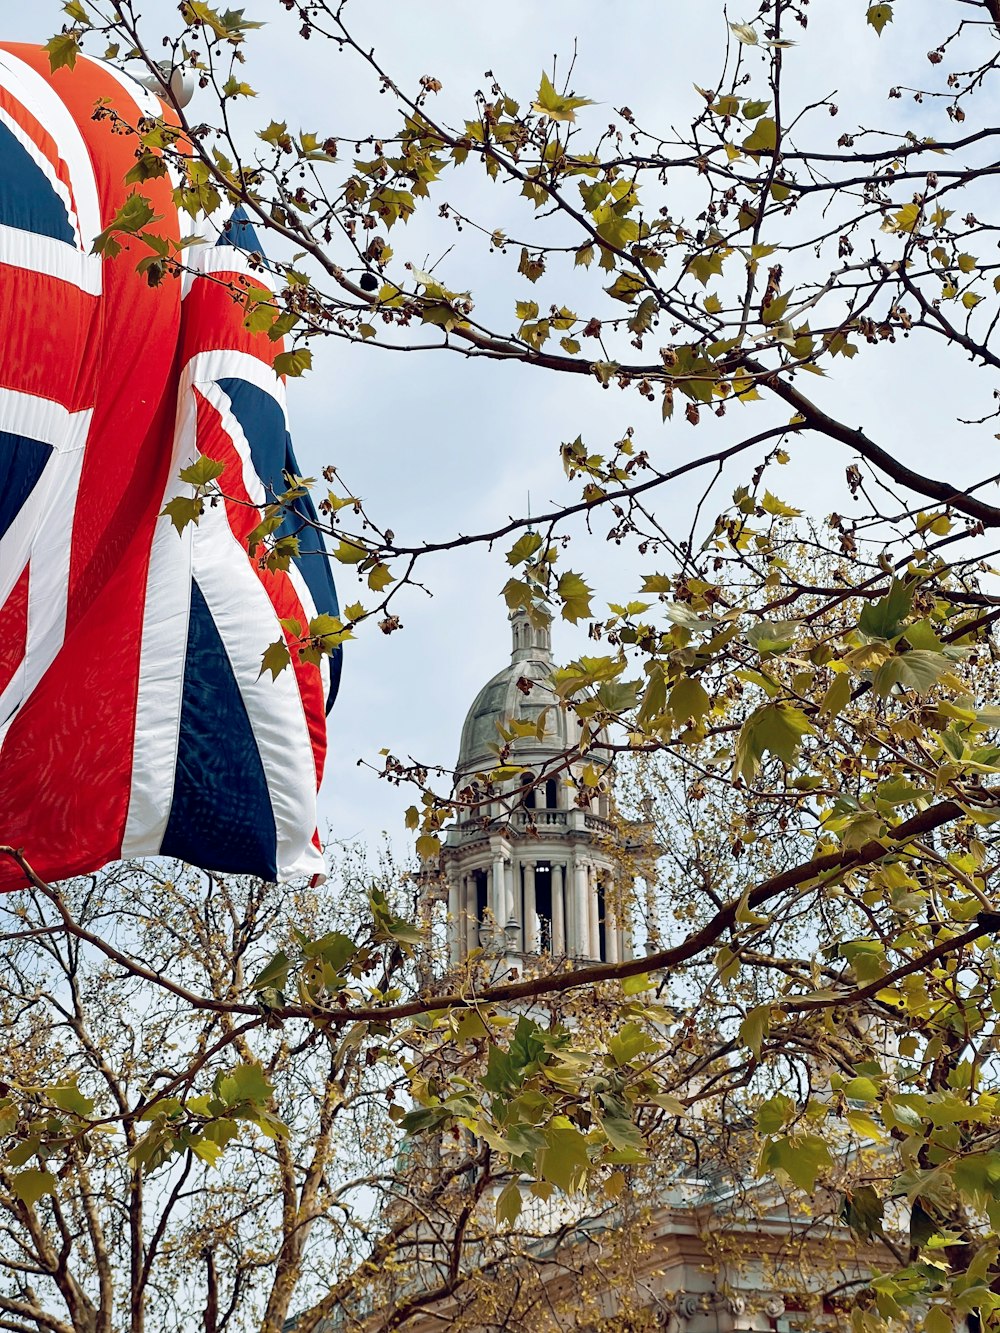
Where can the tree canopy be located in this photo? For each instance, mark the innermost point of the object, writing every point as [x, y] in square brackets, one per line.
[808, 697]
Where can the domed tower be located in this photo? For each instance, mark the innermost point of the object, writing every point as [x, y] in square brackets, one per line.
[533, 869]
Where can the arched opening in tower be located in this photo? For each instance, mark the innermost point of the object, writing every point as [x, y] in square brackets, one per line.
[543, 906]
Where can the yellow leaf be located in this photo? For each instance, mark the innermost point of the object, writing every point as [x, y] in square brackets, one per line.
[428, 847]
[555, 105]
[837, 696]
[864, 1126]
[772, 505]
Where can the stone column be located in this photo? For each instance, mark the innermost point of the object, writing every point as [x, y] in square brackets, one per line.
[471, 914]
[594, 906]
[454, 918]
[558, 909]
[530, 922]
[626, 887]
[581, 914]
[652, 921]
[612, 930]
[498, 893]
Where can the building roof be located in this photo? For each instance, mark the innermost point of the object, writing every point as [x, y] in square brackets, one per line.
[520, 691]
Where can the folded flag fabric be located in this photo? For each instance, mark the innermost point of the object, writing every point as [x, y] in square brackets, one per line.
[134, 718]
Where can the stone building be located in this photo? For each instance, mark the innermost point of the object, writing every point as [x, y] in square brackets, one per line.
[532, 868]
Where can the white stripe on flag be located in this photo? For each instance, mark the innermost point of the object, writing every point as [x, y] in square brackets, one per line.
[48, 585]
[39, 419]
[161, 658]
[41, 99]
[245, 619]
[52, 258]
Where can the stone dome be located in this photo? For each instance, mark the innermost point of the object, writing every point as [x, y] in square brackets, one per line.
[502, 699]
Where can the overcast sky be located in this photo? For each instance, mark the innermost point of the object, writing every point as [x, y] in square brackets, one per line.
[435, 444]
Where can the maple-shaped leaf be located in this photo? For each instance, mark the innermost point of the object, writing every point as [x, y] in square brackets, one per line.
[276, 657]
[556, 106]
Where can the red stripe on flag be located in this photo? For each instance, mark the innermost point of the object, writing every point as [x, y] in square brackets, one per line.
[51, 338]
[211, 304]
[14, 629]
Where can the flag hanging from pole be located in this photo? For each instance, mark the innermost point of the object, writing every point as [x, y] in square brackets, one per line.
[134, 718]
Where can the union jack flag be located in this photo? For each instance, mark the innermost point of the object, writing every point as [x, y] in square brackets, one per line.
[134, 719]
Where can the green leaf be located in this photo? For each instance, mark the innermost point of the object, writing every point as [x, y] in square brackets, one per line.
[379, 577]
[774, 728]
[689, 700]
[575, 595]
[63, 50]
[276, 133]
[202, 471]
[624, 1136]
[773, 1114]
[30, 1185]
[878, 16]
[182, 510]
[801, 1157]
[135, 214]
[772, 505]
[68, 1097]
[555, 105]
[524, 548]
[863, 1212]
[204, 1148]
[837, 696]
[864, 1126]
[295, 362]
[245, 1083]
[275, 658]
[885, 618]
[509, 1204]
[334, 948]
[274, 975]
[938, 1320]
[917, 670]
[773, 636]
[428, 847]
[564, 1160]
[763, 138]
[626, 287]
[350, 553]
[755, 1027]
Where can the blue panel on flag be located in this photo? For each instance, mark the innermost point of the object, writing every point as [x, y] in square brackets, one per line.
[22, 462]
[239, 233]
[263, 423]
[221, 815]
[28, 200]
